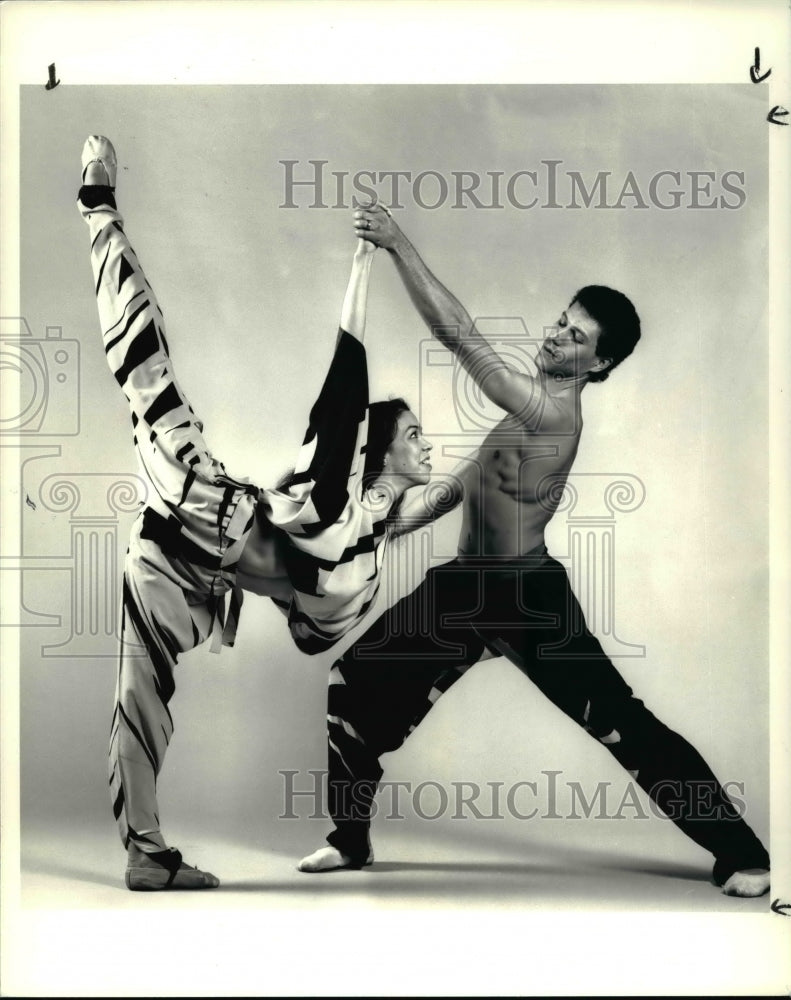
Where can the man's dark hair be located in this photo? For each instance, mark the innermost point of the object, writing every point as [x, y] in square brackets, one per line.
[382, 427]
[619, 322]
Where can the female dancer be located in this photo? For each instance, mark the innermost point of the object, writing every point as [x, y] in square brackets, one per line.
[314, 544]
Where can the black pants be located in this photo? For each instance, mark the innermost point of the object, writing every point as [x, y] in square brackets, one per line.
[386, 683]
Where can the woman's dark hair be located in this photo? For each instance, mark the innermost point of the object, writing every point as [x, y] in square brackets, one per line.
[382, 427]
[619, 322]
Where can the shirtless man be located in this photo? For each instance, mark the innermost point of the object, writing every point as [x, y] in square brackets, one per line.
[505, 593]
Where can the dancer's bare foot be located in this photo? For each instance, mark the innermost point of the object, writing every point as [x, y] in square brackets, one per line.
[329, 859]
[99, 161]
[747, 883]
[144, 873]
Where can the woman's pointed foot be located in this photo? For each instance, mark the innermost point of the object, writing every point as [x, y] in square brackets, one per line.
[99, 162]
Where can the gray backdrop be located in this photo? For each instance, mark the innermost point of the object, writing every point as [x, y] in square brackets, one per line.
[251, 293]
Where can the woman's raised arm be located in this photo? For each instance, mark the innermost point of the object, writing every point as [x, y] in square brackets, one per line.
[356, 299]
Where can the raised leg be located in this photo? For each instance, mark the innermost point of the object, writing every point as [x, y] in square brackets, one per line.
[168, 437]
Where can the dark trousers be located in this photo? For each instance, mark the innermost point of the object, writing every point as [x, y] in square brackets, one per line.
[386, 683]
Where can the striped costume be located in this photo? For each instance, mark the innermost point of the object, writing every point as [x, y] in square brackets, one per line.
[336, 545]
[185, 544]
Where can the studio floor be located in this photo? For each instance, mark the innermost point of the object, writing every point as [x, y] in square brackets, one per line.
[546, 871]
[556, 913]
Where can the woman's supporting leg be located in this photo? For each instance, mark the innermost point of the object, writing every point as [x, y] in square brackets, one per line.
[158, 624]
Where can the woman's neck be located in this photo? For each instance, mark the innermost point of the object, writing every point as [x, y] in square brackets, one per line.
[380, 498]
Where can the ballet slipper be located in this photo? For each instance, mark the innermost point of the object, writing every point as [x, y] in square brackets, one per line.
[165, 870]
[99, 149]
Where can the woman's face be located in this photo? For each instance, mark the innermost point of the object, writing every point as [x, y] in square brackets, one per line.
[408, 454]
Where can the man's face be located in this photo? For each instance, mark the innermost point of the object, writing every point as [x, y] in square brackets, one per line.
[569, 348]
[408, 454]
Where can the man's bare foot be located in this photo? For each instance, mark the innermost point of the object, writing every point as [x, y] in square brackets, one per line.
[99, 161]
[750, 882]
[144, 873]
[329, 859]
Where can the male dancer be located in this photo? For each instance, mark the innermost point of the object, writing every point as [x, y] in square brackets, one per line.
[506, 593]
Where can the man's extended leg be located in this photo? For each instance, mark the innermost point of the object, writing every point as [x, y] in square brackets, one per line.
[379, 691]
[569, 665]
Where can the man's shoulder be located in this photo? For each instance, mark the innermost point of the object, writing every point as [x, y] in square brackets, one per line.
[559, 415]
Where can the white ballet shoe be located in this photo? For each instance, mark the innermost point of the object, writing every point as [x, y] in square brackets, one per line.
[99, 149]
[330, 859]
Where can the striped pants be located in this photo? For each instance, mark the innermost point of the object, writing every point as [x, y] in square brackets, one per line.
[183, 545]
[159, 620]
[386, 683]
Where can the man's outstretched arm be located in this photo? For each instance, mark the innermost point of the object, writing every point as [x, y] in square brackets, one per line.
[450, 322]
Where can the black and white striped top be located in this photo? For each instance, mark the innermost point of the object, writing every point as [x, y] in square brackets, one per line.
[336, 541]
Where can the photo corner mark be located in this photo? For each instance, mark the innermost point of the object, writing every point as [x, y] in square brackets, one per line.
[755, 70]
[778, 111]
[52, 82]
